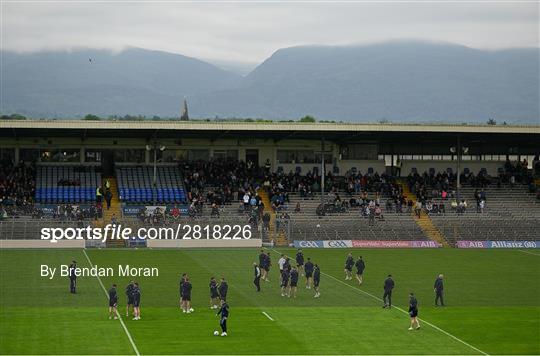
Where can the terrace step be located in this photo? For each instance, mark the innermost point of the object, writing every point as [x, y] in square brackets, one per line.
[116, 209]
[280, 239]
[424, 221]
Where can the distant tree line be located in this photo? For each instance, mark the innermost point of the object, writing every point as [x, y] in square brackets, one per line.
[304, 119]
[13, 117]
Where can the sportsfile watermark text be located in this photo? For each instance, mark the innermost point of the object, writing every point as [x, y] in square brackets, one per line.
[118, 232]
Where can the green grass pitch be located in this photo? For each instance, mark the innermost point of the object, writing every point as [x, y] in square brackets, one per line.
[493, 299]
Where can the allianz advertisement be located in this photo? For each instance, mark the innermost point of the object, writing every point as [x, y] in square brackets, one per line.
[497, 244]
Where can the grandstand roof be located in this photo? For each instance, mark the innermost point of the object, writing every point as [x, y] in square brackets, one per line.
[528, 136]
[264, 126]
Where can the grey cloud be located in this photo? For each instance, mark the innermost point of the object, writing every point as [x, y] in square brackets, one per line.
[250, 32]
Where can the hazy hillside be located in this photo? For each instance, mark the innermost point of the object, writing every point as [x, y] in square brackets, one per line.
[400, 81]
[135, 81]
[405, 81]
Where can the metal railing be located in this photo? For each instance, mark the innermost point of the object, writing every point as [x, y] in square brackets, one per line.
[27, 228]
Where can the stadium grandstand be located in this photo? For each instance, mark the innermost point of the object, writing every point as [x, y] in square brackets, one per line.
[289, 181]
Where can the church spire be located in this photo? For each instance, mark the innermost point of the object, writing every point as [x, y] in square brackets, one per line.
[184, 115]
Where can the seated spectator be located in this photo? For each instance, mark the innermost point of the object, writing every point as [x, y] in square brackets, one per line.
[442, 209]
[246, 200]
[429, 207]
[399, 206]
[175, 213]
[3, 213]
[444, 194]
[192, 211]
[142, 214]
[462, 206]
[410, 205]
[378, 212]
[253, 202]
[215, 210]
[389, 205]
[371, 215]
[297, 208]
[418, 208]
[157, 216]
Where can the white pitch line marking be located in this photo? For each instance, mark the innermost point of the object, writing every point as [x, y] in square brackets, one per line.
[268, 316]
[530, 253]
[119, 316]
[404, 311]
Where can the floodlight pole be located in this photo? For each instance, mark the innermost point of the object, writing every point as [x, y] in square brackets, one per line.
[154, 192]
[322, 170]
[458, 181]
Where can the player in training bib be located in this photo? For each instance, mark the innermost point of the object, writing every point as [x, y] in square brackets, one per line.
[316, 280]
[349, 263]
[413, 312]
[360, 267]
[300, 261]
[72, 277]
[224, 311]
[129, 296]
[186, 296]
[257, 276]
[214, 295]
[308, 268]
[180, 291]
[294, 282]
[223, 289]
[113, 302]
[285, 275]
[136, 301]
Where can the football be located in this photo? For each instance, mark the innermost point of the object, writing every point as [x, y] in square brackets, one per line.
[216, 333]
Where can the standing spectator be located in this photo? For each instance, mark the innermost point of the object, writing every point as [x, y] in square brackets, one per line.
[108, 198]
[99, 194]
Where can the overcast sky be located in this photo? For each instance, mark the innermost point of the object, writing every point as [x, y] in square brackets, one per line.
[250, 32]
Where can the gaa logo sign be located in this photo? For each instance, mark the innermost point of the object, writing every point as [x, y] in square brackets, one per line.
[338, 244]
[307, 244]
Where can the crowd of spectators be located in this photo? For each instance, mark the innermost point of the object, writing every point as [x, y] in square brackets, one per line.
[17, 189]
[360, 189]
[69, 183]
[73, 212]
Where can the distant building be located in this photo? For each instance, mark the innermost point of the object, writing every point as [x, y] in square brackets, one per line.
[184, 116]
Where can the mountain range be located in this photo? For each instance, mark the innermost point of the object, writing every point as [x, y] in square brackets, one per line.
[406, 81]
